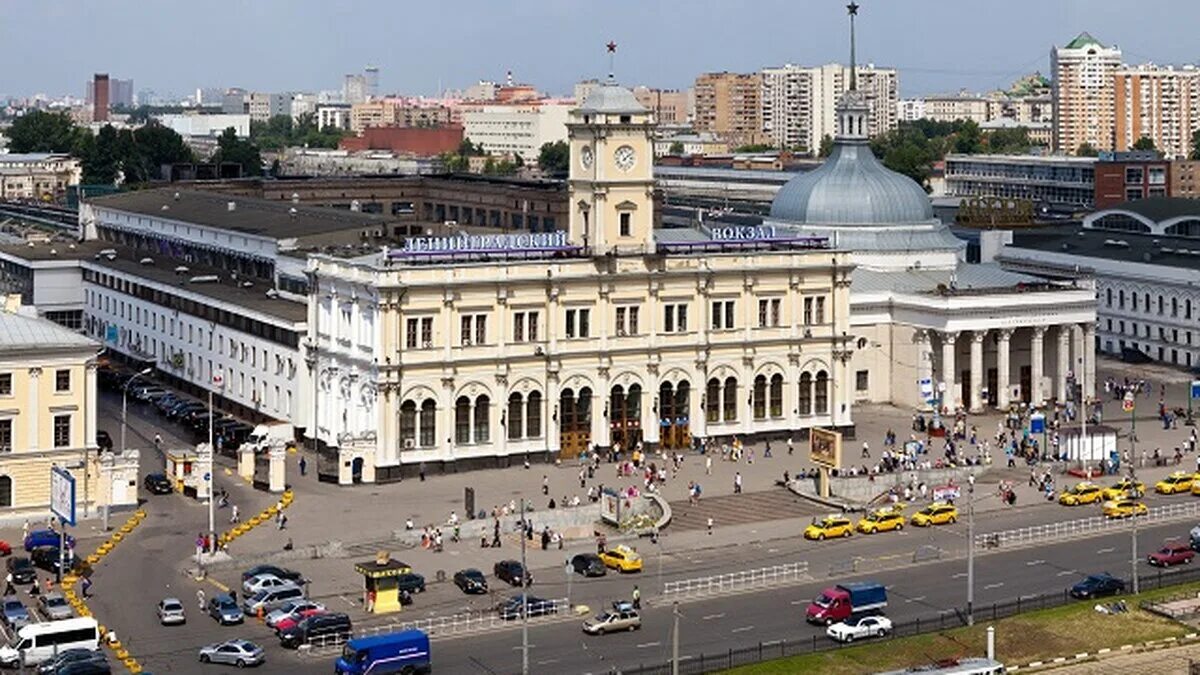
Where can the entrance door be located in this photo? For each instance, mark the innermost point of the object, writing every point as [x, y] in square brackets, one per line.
[575, 430]
[1026, 383]
[625, 415]
[673, 423]
[993, 382]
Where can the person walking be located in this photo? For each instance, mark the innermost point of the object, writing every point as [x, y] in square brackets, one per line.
[637, 597]
[708, 465]
[86, 586]
[545, 485]
[710, 524]
[234, 516]
[791, 446]
[767, 450]
[303, 466]
[737, 483]
[9, 589]
[200, 598]
[866, 451]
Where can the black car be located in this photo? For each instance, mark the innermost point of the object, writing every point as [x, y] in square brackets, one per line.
[167, 402]
[513, 573]
[511, 609]
[59, 663]
[180, 409]
[22, 570]
[103, 440]
[1097, 585]
[48, 559]
[158, 484]
[281, 572]
[589, 565]
[411, 582]
[85, 668]
[331, 628]
[471, 581]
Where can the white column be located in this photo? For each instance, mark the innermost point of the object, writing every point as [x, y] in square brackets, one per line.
[650, 412]
[551, 416]
[1003, 348]
[924, 362]
[1064, 362]
[34, 443]
[1036, 363]
[601, 431]
[949, 397]
[89, 411]
[977, 338]
[1089, 360]
[697, 415]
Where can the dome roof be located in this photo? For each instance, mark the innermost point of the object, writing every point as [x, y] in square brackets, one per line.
[611, 98]
[852, 188]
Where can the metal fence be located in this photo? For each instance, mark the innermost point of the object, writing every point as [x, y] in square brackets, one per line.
[698, 664]
[444, 626]
[1083, 526]
[737, 581]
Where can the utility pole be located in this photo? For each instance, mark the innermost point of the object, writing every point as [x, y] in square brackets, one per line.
[675, 640]
[1133, 562]
[971, 554]
[524, 598]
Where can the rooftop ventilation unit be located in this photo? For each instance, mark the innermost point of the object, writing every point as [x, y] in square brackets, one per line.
[204, 279]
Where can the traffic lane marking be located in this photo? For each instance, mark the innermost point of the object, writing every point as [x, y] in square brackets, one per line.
[223, 588]
[998, 584]
[1102, 551]
[646, 645]
[742, 629]
[710, 617]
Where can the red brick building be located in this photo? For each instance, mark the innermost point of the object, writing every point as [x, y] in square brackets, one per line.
[421, 141]
[1128, 176]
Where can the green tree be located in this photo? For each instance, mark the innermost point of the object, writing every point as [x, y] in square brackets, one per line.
[1086, 149]
[753, 147]
[1144, 143]
[675, 149]
[1008, 141]
[102, 162]
[968, 139]
[826, 146]
[230, 148]
[41, 131]
[469, 149]
[153, 145]
[554, 158]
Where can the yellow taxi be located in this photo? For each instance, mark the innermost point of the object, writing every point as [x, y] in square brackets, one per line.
[936, 513]
[1081, 493]
[1175, 483]
[1127, 487]
[882, 520]
[829, 526]
[622, 558]
[1124, 508]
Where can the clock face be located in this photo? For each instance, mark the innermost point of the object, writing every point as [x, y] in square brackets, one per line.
[585, 157]
[625, 157]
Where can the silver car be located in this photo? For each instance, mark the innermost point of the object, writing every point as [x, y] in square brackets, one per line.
[54, 606]
[170, 612]
[263, 582]
[240, 653]
[621, 617]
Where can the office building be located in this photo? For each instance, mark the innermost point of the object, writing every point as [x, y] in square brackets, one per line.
[518, 129]
[1129, 176]
[1084, 94]
[671, 107]
[235, 102]
[100, 101]
[262, 106]
[354, 89]
[958, 107]
[1057, 183]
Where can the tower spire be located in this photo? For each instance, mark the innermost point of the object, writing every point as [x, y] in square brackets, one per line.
[852, 10]
[612, 55]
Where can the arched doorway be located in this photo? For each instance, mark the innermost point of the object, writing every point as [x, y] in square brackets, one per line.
[625, 416]
[356, 470]
[575, 416]
[673, 411]
[6, 491]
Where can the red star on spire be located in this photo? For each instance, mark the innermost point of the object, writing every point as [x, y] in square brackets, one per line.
[612, 47]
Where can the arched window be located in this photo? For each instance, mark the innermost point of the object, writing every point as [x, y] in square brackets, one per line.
[682, 401]
[428, 423]
[408, 424]
[633, 402]
[822, 393]
[1187, 308]
[712, 401]
[760, 397]
[583, 410]
[777, 395]
[730, 401]
[462, 420]
[6, 491]
[1108, 292]
[481, 418]
[515, 423]
[533, 415]
[566, 410]
[806, 394]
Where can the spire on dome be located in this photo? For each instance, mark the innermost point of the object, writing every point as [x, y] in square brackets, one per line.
[852, 11]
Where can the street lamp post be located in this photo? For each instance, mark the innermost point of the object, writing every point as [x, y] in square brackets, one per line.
[124, 423]
[971, 554]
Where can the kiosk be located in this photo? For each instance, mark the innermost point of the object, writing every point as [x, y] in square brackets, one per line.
[381, 593]
[185, 470]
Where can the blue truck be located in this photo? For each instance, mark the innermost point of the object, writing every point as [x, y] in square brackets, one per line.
[405, 652]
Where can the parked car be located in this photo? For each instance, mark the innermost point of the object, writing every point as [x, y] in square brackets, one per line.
[471, 581]
[622, 558]
[54, 606]
[146, 391]
[287, 623]
[512, 572]
[271, 598]
[281, 572]
[225, 610]
[411, 582]
[291, 610]
[859, 628]
[158, 484]
[67, 658]
[327, 628]
[166, 402]
[1097, 585]
[511, 609]
[621, 617]
[240, 653]
[1172, 553]
[49, 559]
[589, 565]
[96, 667]
[262, 582]
[40, 538]
[182, 408]
[103, 440]
[22, 570]
[14, 613]
[170, 612]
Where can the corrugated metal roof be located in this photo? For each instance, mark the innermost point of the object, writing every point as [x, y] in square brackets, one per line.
[611, 98]
[18, 333]
[964, 277]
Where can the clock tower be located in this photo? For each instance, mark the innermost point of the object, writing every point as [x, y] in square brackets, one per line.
[611, 179]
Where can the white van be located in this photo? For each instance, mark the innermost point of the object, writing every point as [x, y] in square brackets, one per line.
[40, 642]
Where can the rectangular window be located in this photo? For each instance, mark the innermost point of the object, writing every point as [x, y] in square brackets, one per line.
[621, 329]
[62, 380]
[769, 311]
[412, 325]
[626, 226]
[480, 329]
[518, 334]
[6, 384]
[533, 326]
[62, 431]
[427, 332]
[722, 314]
[808, 311]
[862, 380]
[569, 324]
[675, 318]
[6, 435]
[585, 323]
[633, 321]
[1133, 175]
[627, 320]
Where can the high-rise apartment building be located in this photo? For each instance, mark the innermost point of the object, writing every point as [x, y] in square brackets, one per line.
[100, 97]
[670, 106]
[1084, 73]
[729, 105]
[120, 93]
[798, 102]
[1159, 103]
[354, 89]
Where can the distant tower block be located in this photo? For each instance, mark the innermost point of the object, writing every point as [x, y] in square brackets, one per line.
[372, 75]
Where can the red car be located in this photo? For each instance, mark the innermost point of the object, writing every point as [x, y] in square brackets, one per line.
[5, 549]
[287, 624]
[1171, 553]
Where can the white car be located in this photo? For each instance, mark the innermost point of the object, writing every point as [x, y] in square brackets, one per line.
[292, 610]
[170, 612]
[264, 582]
[860, 628]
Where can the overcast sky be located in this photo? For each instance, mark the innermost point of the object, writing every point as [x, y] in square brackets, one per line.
[54, 46]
